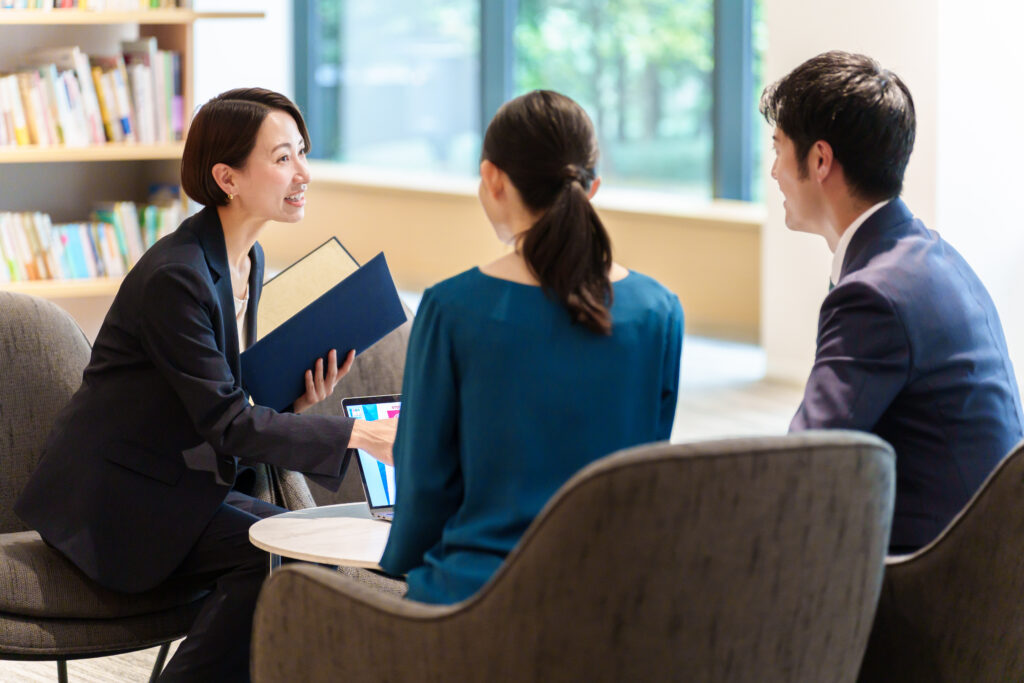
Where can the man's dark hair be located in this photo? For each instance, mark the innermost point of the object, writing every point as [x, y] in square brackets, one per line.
[224, 131]
[864, 112]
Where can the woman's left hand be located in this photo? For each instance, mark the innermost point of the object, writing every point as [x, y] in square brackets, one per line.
[320, 384]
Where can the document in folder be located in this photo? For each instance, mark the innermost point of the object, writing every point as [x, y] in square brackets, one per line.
[323, 301]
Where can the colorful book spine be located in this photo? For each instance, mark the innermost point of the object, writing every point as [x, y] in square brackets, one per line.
[17, 110]
[33, 248]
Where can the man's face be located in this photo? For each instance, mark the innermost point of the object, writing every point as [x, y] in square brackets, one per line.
[803, 200]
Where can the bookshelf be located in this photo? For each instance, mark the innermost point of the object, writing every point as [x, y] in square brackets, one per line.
[111, 151]
[65, 289]
[65, 182]
[152, 17]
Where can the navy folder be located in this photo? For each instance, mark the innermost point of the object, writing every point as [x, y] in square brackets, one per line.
[353, 314]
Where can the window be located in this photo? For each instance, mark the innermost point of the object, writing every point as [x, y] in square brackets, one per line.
[410, 84]
[392, 82]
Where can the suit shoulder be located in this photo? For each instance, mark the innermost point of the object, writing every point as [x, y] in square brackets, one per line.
[178, 258]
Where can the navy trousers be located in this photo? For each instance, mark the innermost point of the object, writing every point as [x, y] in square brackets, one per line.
[217, 646]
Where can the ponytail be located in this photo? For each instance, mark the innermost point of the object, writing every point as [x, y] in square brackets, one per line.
[570, 254]
[545, 142]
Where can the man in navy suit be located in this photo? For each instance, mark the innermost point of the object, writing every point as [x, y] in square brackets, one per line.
[909, 346]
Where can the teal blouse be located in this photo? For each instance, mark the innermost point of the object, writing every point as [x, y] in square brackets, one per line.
[503, 400]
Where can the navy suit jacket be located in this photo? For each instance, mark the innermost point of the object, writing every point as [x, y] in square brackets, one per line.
[910, 348]
[112, 490]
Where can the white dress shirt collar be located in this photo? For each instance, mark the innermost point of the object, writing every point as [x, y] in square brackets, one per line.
[844, 240]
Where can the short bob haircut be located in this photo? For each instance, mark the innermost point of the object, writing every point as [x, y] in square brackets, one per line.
[224, 131]
[864, 112]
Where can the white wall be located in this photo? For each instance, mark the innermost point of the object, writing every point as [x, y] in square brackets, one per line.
[981, 150]
[235, 53]
[962, 64]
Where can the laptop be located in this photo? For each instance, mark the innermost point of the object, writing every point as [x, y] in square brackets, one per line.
[378, 479]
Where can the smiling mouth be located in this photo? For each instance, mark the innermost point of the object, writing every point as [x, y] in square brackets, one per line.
[296, 198]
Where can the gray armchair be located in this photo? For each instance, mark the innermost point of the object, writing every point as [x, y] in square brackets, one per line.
[738, 560]
[952, 610]
[376, 371]
[49, 610]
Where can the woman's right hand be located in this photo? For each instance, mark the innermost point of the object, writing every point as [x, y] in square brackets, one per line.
[320, 381]
[376, 437]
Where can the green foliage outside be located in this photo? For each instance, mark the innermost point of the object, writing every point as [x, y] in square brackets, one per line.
[641, 68]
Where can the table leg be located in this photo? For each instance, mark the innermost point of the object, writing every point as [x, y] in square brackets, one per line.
[275, 562]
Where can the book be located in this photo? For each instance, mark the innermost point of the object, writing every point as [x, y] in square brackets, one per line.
[143, 57]
[45, 106]
[13, 99]
[73, 59]
[177, 100]
[33, 121]
[323, 301]
[302, 283]
[140, 84]
[60, 106]
[79, 122]
[105, 97]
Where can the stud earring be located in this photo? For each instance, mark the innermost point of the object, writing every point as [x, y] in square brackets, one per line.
[230, 197]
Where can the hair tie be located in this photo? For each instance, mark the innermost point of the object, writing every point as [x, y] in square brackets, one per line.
[574, 174]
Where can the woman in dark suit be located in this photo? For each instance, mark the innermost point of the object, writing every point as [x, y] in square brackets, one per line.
[136, 482]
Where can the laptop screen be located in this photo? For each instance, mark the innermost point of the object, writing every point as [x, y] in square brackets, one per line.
[379, 478]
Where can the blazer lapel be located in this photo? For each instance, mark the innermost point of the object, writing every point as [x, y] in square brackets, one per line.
[211, 237]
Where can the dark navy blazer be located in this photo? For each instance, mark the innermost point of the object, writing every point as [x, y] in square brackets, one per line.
[910, 347]
[112, 490]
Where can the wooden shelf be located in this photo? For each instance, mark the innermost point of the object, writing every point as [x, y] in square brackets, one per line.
[65, 289]
[111, 151]
[68, 17]
[37, 178]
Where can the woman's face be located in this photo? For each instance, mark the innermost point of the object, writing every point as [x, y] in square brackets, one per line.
[272, 184]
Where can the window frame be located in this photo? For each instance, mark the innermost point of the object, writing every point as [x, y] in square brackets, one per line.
[733, 125]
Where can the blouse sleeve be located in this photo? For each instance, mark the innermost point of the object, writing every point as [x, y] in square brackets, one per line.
[429, 476]
[670, 379]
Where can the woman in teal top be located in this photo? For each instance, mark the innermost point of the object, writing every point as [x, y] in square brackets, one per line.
[523, 371]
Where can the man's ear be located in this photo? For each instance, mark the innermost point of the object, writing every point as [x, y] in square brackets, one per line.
[821, 162]
[493, 178]
[224, 176]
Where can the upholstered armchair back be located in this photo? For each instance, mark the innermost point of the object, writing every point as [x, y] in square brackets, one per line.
[951, 611]
[738, 560]
[42, 355]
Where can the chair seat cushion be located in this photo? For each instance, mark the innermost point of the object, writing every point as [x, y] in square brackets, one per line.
[37, 581]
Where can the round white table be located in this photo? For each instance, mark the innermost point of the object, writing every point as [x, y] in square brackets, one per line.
[339, 535]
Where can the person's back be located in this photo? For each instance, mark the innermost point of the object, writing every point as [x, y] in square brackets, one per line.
[942, 390]
[534, 398]
[524, 371]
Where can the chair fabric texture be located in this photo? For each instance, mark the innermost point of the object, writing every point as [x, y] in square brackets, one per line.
[736, 560]
[48, 608]
[951, 611]
[42, 355]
